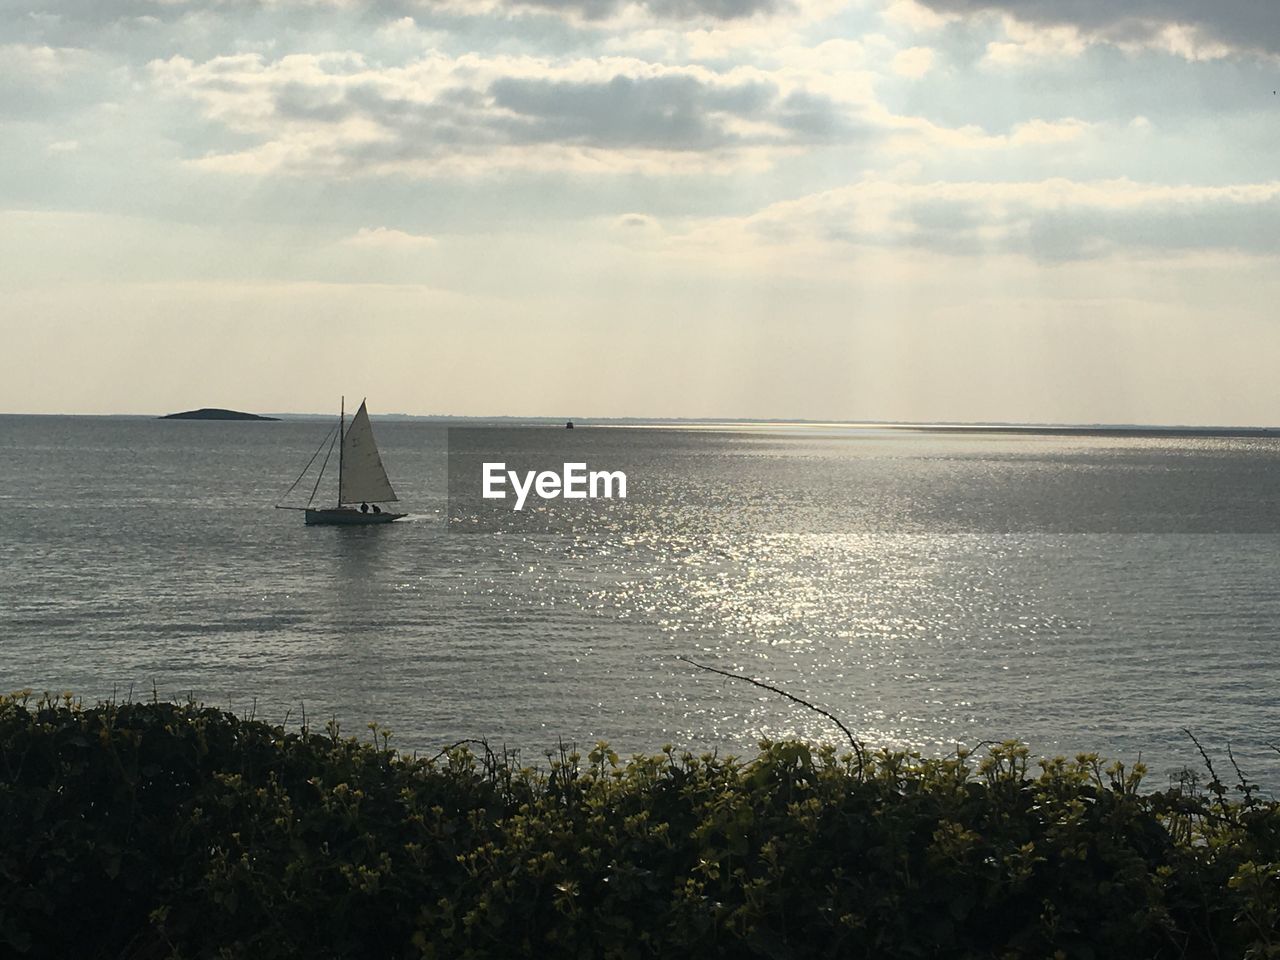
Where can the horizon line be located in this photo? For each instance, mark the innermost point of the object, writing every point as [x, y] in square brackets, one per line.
[969, 425]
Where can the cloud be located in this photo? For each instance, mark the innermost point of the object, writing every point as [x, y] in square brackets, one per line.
[675, 111]
[914, 62]
[387, 238]
[1035, 132]
[1026, 44]
[38, 80]
[921, 136]
[334, 114]
[339, 115]
[41, 63]
[1048, 220]
[636, 231]
[915, 15]
[75, 15]
[661, 9]
[1195, 29]
[636, 221]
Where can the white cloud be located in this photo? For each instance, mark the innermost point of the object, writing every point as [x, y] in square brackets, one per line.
[1051, 220]
[1188, 41]
[915, 16]
[918, 135]
[386, 237]
[913, 62]
[337, 114]
[1026, 44]
[41, 62]
[1047, 132]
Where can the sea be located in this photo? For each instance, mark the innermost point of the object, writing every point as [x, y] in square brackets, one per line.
[1089, 591]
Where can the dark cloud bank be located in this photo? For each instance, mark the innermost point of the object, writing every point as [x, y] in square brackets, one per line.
[1252, 25]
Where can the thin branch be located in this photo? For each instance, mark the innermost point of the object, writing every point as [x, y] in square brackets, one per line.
[460, 743]
[853, 741]
[1246, 787]
[1215, 785]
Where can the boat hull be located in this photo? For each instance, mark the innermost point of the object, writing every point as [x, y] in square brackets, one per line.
[347, 517]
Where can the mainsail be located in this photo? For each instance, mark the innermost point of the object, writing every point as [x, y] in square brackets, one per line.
[363, 476]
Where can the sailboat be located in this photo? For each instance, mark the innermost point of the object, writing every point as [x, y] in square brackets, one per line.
[361, 477]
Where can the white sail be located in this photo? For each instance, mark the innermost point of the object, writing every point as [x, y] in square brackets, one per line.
[363, 476]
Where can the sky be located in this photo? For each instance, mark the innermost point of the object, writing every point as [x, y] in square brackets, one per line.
[920, 210]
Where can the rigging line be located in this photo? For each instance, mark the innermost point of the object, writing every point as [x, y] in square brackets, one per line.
[320, 475]
[305, 469]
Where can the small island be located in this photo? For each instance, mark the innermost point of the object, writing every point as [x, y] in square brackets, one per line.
[214, 413]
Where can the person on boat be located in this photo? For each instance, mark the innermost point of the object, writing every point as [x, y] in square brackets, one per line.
[364, 508]
[376, 508]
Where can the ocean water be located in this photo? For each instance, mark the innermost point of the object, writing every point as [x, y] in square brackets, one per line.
[930, 588]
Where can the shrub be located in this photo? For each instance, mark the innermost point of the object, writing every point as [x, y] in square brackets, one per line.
[173, 830]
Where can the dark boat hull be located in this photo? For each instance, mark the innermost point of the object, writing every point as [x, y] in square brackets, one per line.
[347, 517]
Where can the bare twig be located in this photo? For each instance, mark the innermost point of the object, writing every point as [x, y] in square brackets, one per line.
[853, 741]
[1246, 787]
[1215, 785]
[460, 743]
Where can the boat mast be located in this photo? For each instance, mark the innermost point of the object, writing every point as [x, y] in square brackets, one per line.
[342, 416]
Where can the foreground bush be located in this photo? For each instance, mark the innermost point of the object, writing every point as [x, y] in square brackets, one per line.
[163, 830]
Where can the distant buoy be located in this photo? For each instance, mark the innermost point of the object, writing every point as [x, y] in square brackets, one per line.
[569, 425]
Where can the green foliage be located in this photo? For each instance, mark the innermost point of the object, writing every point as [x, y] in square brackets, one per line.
[171, 830]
